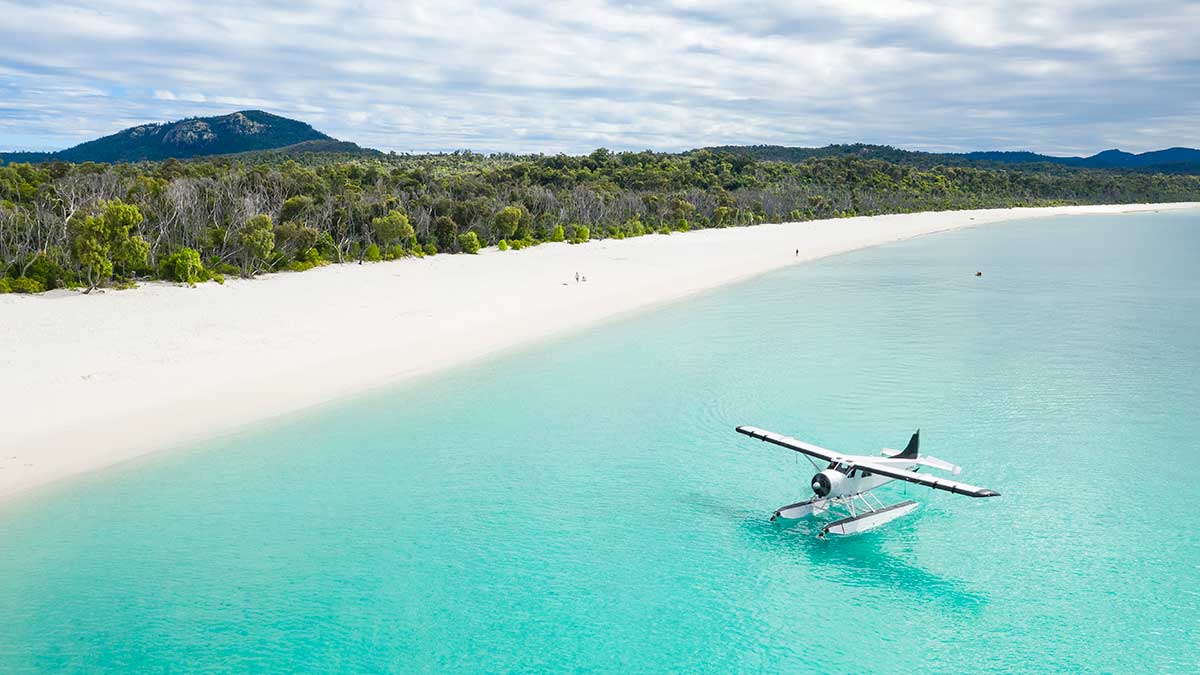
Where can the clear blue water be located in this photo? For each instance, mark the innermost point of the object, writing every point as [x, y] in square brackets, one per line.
[584, 505]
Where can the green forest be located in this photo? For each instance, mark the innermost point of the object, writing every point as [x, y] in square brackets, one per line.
[92, 225]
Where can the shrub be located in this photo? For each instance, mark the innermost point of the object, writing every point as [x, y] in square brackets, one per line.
[557, 234]
[431, 248]
[326, 247]
[215, 266]
[396, 251]
[581, 234]
[183, 266]
[5, 286]
[634, 227]
[46, 271]
[373, 254]
[503, 245]
[468, 242]
[306, 261]
[26, 285]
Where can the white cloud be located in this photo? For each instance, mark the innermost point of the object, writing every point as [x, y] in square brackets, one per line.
[533, 76]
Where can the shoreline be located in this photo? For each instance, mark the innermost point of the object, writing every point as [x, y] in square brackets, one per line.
[94, 381]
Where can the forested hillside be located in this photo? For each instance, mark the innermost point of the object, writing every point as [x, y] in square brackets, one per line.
[195, 137]
[89, 225]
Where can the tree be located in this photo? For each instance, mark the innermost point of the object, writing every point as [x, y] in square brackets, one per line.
[507, 221]
[293, 240]
[393, 228]
[130, 254]
[295, 208]
[682, 209]
[257, 241]
[525, 226]
[329, 210]
[103, 243]
[445, 231]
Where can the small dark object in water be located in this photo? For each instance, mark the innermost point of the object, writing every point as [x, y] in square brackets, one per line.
[979, 274]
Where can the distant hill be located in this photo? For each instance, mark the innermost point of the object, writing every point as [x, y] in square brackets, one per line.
[1171, 160]
[331, 150]
[1109, 159]
[244, 131]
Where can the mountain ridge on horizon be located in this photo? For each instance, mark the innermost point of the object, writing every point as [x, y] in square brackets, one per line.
[247, 131]
[1168, 160]
[236, 132]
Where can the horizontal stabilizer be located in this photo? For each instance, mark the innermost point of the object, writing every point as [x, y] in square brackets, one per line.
[925, 460]
[935, 463]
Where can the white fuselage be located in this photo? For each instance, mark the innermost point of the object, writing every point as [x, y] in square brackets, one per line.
[838, 481]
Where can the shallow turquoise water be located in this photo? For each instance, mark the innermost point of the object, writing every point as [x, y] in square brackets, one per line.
[586, 506]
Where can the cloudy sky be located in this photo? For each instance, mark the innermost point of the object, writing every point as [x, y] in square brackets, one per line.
[1059, 76]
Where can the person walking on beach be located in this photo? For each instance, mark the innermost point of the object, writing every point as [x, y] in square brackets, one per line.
[577, 277]
[797, 253]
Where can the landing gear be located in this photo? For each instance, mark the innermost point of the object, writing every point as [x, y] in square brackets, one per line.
[864, 511]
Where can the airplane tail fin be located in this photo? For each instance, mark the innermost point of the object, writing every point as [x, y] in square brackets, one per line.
[910, 450]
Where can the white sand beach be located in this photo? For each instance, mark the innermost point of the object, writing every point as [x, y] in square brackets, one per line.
[93, 380]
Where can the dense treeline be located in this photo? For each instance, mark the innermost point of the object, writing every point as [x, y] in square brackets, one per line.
[89, 225]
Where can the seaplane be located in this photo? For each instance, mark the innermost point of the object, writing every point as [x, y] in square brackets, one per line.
[844, 487]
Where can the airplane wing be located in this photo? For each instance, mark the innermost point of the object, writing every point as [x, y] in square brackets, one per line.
[957, 487]
[790, 443]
